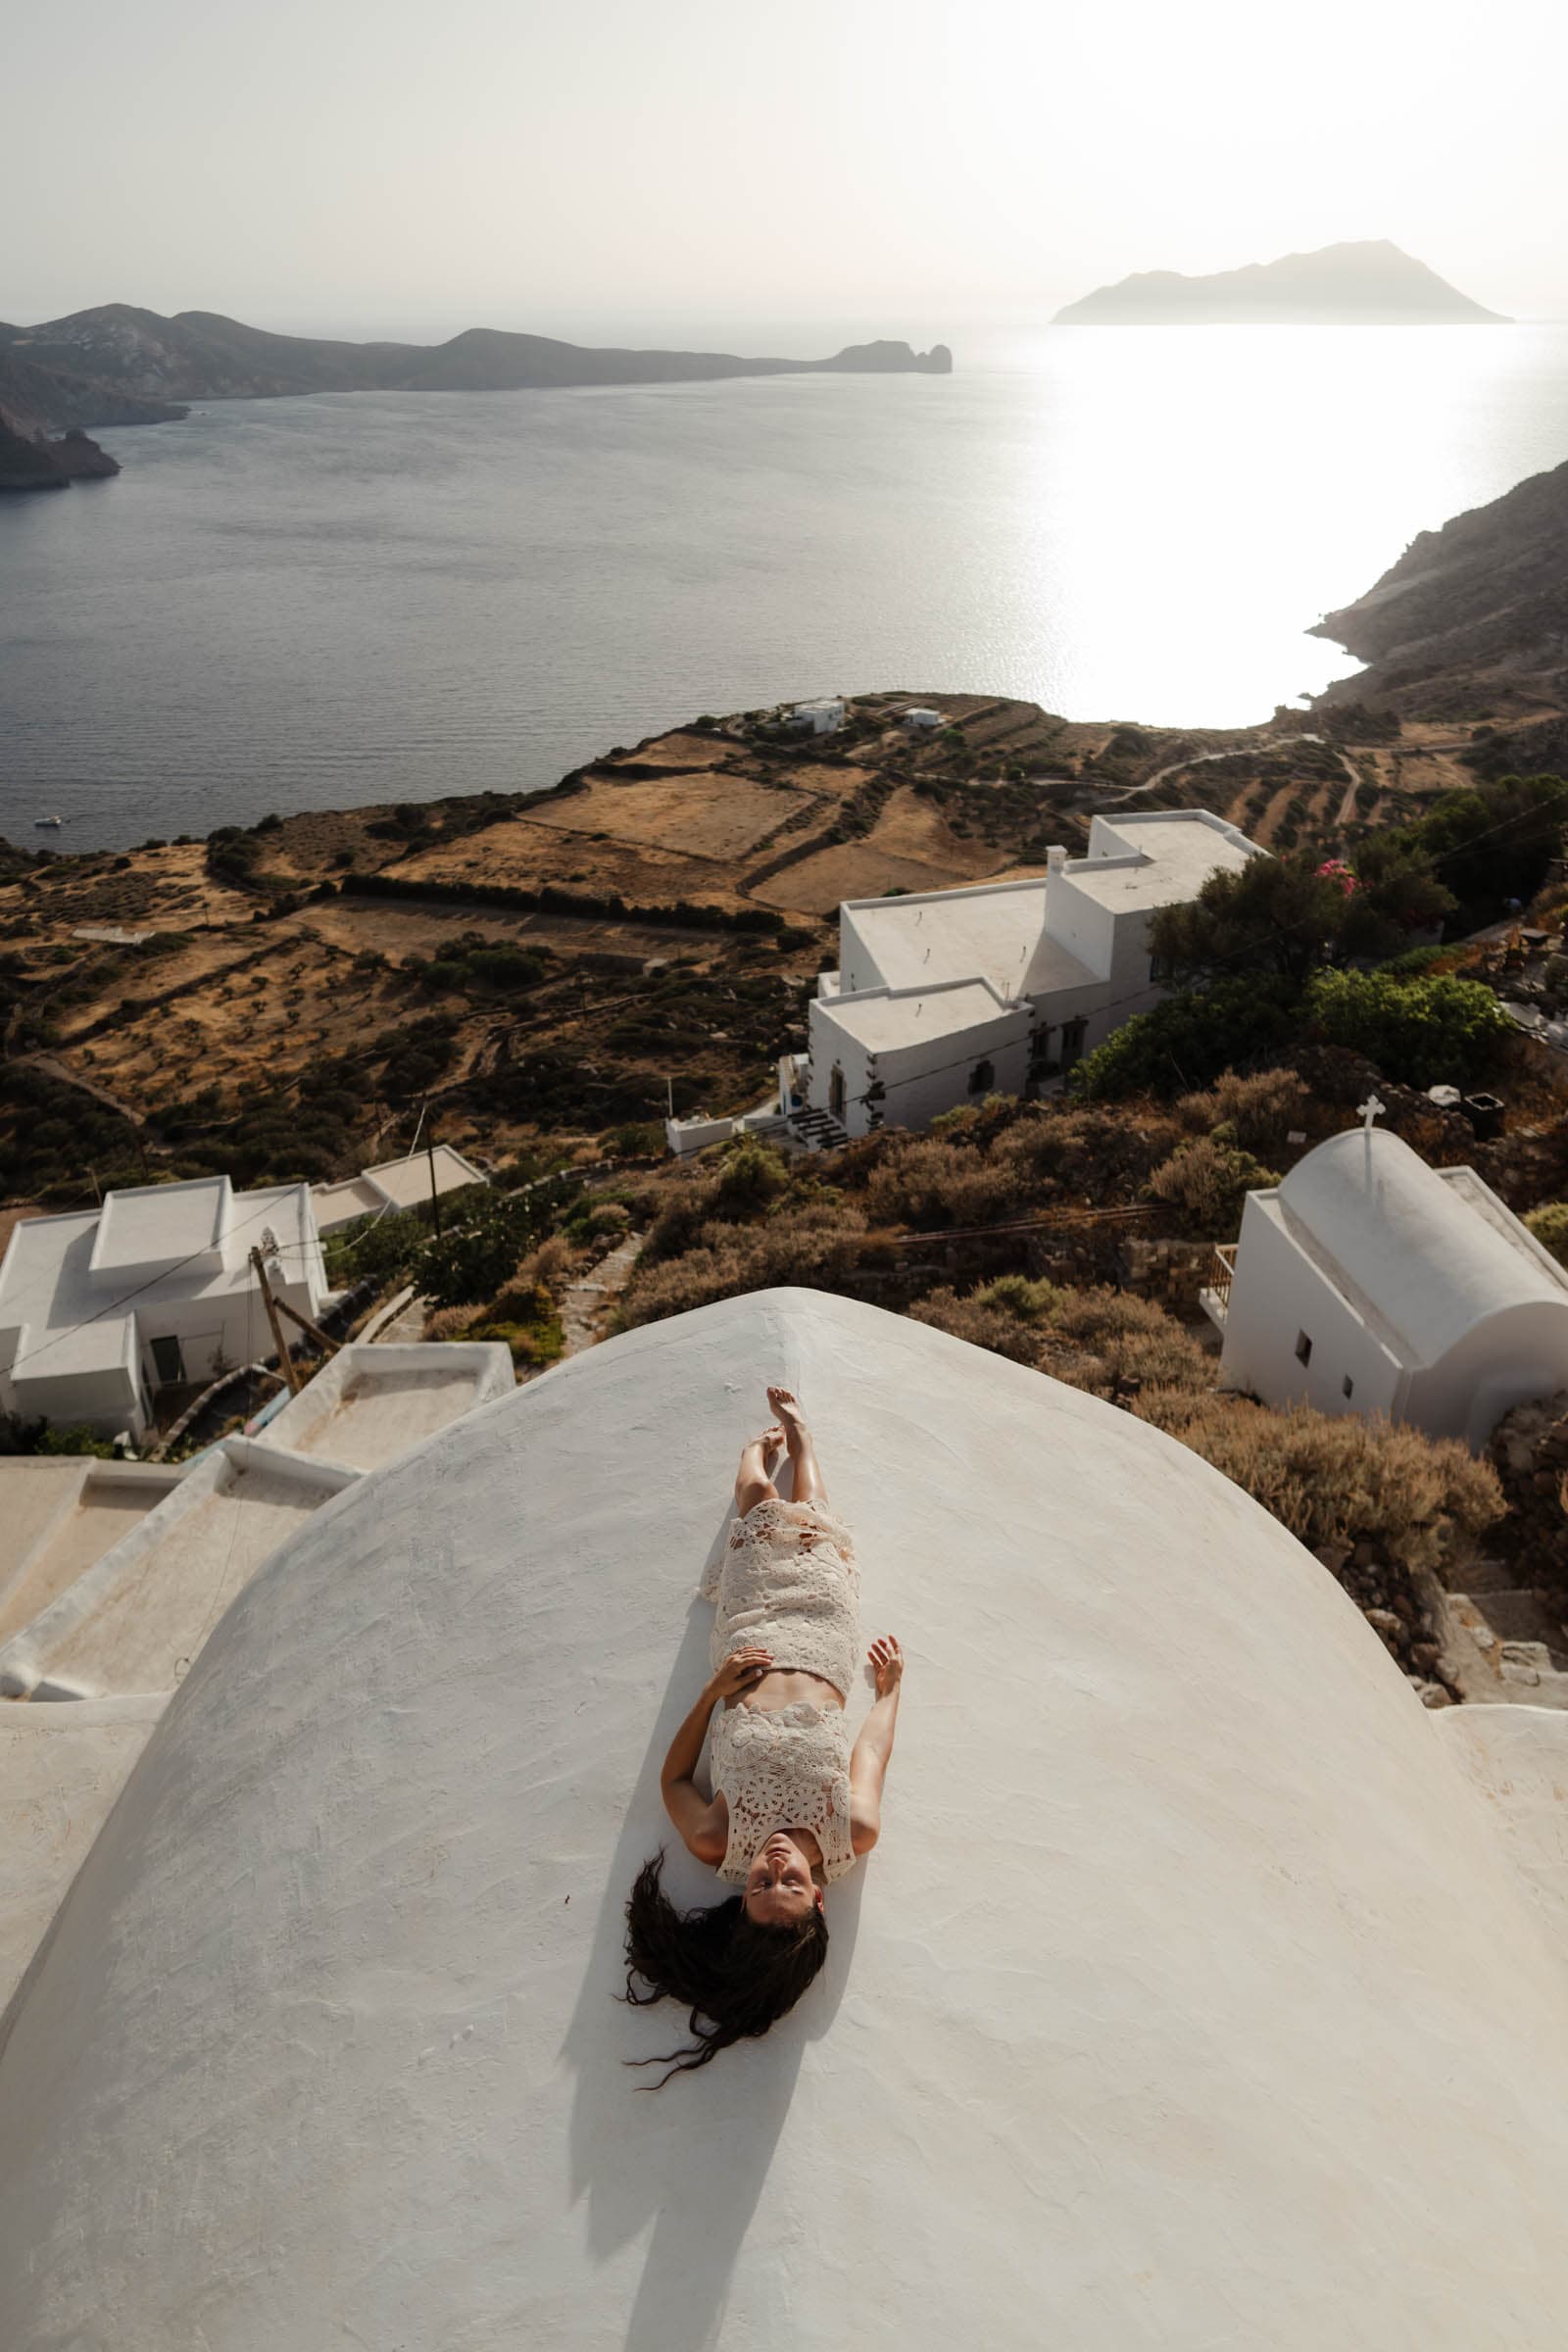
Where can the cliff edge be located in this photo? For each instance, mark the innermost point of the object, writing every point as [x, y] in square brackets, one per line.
[1472, 621]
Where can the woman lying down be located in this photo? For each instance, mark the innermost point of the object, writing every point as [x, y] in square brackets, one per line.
[793, 1805]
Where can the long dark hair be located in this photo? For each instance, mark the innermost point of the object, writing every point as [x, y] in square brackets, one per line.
[735, 1977]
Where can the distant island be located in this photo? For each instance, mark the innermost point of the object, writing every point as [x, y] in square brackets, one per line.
[116, 365]
[1368, 284]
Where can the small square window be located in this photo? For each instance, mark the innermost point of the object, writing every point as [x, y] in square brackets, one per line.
[1303, 1348]
[1348, 1385]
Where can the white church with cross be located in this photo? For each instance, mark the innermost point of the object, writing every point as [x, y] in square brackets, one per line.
[1368, 1282]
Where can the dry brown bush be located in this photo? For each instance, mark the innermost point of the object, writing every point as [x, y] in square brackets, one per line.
[930, 1181]
[813, 1246]
[993, 1327]
[1102, 1340]
[1260, 1110]
[546, 1266]
[1205, 1182]
[1338, 1479]
[448, 1322]
[983, 1168]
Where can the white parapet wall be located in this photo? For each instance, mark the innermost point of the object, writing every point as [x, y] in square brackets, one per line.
[1189, 1999]
[138, 1617]
[59, 1513]
[368, 1405]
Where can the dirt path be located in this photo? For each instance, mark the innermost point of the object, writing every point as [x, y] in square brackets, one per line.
[1273, 743]
[84, 1085]
[586, 1305]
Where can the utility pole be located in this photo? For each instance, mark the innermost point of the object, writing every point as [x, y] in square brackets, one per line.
[435, 1193]
[286, 1363]
[312, 1331]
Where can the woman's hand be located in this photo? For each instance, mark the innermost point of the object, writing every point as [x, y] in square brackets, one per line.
[738, 1672]
[886, 1660]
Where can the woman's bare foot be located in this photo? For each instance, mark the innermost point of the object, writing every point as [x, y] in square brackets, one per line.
[806, 1479]
[787, 1405]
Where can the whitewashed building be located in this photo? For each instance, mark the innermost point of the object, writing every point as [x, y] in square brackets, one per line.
[954, 994]
[1369, 1283]
[101, 1307]
[821, 717]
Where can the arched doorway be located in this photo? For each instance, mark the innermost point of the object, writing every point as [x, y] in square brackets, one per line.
[835, 1094]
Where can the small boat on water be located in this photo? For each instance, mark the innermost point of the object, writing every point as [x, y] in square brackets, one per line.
[53, 824]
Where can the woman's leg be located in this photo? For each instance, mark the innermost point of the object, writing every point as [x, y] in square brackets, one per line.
[752, 1480]
[805, 1477]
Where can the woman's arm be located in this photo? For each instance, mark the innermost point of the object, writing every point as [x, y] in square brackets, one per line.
[704, 1823]
[869, 1763]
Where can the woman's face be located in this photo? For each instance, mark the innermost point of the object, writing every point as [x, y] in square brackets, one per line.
[780, 1890]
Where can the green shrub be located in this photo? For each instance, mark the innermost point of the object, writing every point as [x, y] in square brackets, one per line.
[1016, 1295]
[474, 1260]
[74, 1437]
[1189, 1040]
[753, 1175]
[1549, 1225]
[1421, 1032]
[524, 1319]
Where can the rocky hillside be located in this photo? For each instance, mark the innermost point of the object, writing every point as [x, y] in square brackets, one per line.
[66, 369]
[1472, 621]
[1366, 284]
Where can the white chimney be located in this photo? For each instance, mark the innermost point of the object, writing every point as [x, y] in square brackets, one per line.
[1055, 859]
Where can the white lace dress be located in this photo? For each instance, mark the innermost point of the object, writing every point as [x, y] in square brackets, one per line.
[787, 1582]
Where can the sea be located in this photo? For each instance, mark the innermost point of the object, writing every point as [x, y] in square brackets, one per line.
[317, 602]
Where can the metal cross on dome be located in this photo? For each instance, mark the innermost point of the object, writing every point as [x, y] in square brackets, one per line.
[1370, 1109]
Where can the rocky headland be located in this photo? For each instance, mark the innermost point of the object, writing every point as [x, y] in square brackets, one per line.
[1366, 284]
[97, 365]
[37, 463]
[1472, 623]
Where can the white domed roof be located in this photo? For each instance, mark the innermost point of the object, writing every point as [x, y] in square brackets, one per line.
[1431, 1253]
[1186, 2000]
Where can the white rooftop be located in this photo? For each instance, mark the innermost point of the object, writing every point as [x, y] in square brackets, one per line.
[406, 1182]
[1179, 847]
[1174, 2008]
[394, 1184]
[72, 1315]
[884, 1020]
[993, 932]
[153, 1225]
[1426, 1252]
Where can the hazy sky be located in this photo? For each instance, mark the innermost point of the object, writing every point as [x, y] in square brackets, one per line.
[908, 165]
